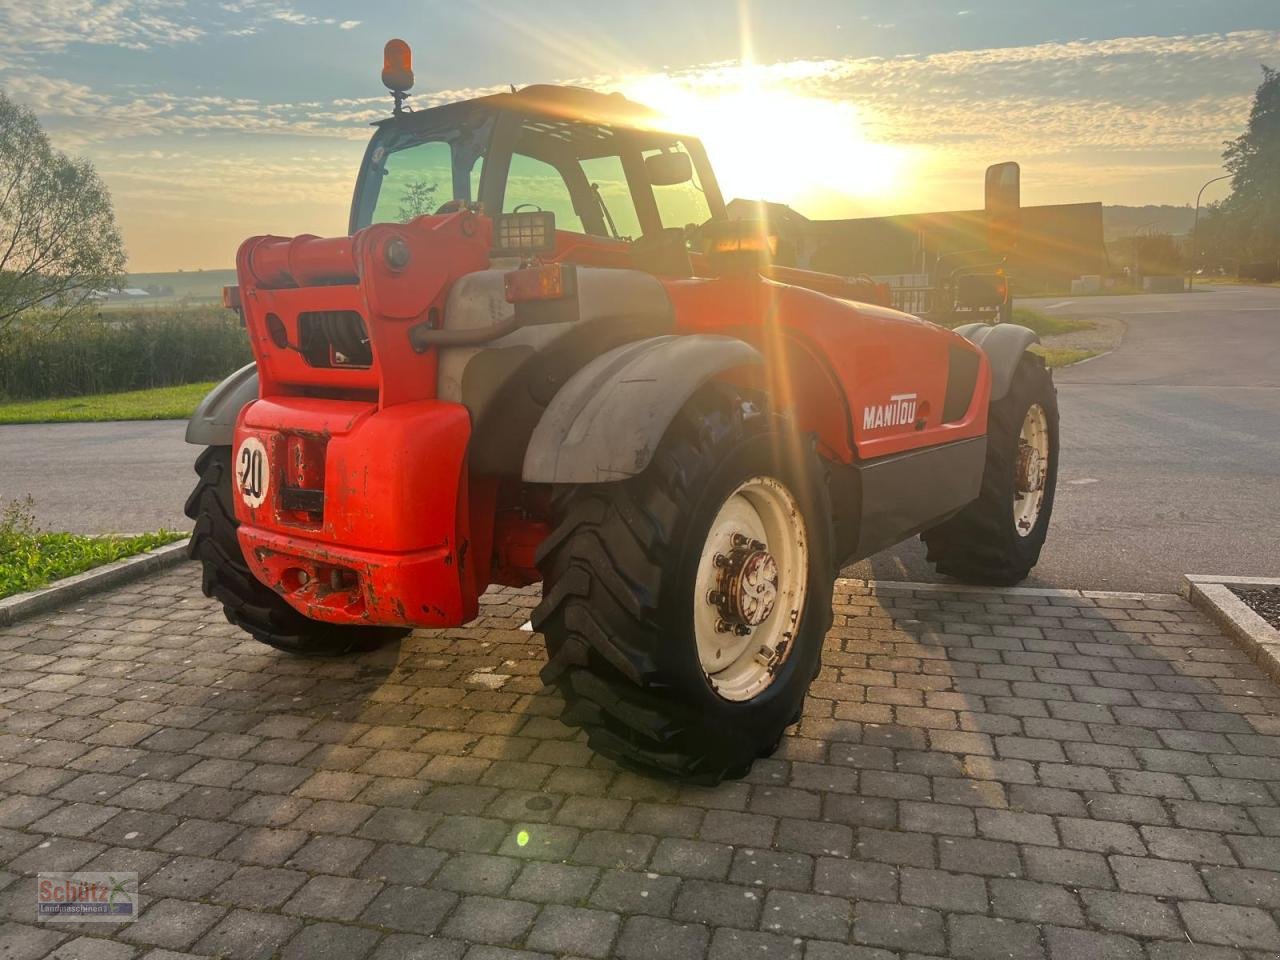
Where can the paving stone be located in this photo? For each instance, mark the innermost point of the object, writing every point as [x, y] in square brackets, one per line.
[1037, 902]
[247, 935]
[1158, 877]
[718, 904]
[554, 883]
[410, 909]
[806, 915]
[490, 920]
[330, 941]
[341, 898]
[650, 938]
[987, 938]
[1251, 888]
[692, 858]
[627, 892]
[85, 948]
[1131, 913]
[174, 924]
[1066, 944]
[898, 927]
[408, 946]
[730, 944]
[1230, 925]
[943, 891]
[573, 930]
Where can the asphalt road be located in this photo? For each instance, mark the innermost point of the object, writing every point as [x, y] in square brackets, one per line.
[1170, 453]
[1170, 447]
[127, 477]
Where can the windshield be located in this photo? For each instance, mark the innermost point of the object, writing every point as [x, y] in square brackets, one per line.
[412, 170]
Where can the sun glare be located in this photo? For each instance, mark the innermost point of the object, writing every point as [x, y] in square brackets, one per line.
[768, 142]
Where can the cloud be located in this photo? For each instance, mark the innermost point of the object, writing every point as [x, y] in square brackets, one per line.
[30, 26]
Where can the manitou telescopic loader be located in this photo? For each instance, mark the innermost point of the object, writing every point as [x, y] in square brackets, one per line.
[543, 353]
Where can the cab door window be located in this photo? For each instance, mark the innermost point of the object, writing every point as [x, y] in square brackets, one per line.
[536, 184]
[680, 204]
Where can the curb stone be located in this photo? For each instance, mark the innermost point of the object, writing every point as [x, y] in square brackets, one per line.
[112, 574]
[1213, 595]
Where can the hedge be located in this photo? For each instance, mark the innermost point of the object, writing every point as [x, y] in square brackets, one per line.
[118, 351]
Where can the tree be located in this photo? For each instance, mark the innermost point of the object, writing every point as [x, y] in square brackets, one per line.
[1246, 225]
[418, 199]
[59, 242]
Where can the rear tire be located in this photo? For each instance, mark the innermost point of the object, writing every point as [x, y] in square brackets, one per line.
[997, 539]
[247, 602]
[623, 613]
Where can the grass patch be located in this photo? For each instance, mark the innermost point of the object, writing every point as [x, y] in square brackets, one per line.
[1055, 357]
[1048, 326]
[158, 403]
[31, 557]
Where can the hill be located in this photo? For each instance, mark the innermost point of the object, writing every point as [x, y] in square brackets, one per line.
[184, 284]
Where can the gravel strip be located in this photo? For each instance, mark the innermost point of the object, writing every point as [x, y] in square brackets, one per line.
[1265, 602]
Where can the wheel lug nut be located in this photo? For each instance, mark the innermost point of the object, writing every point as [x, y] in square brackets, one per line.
[723, 627]
[720, 560]
[715, 598]
[741, 630]
[757, 545]
[739, 540]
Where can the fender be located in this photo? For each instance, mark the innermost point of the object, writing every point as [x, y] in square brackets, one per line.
[1004, 345]
[606, 421]
[214, 422]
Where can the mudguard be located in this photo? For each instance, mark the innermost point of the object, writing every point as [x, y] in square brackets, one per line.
[1004, 345]
[214, 422]
[606, 421]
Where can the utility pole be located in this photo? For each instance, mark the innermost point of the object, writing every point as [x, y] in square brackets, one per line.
[1191, 276]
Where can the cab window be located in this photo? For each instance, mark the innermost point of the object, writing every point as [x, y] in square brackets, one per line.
[609, 184]
[535, 184]
[417, 180]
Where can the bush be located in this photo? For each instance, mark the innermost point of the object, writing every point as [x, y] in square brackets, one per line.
[113, 352]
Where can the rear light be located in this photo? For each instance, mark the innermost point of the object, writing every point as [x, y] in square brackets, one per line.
[1002, 286]
[231, 297]
[548, 281]
[524, 234]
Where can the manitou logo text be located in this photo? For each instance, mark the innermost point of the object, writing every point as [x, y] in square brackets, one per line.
[900, 409]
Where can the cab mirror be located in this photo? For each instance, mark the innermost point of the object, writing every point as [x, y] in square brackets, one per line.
[1003, 206]
[668, 169]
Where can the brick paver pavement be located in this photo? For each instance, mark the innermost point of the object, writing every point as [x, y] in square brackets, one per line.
[977, 775]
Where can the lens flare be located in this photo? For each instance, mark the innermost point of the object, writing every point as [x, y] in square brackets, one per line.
[770, 140]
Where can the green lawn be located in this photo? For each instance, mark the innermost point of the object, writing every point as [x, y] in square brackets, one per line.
[30, 560]
[1062, 356]
[161, 403]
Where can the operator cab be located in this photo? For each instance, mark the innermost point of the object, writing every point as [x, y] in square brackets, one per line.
[596, 161]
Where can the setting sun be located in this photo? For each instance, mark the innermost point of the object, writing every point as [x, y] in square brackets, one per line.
[772, 143]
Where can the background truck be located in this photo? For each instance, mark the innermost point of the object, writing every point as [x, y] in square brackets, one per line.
[544, 353]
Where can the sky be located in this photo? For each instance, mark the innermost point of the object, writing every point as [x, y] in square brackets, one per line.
[215, 121]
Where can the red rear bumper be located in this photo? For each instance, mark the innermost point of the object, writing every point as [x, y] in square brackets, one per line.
[360, 515]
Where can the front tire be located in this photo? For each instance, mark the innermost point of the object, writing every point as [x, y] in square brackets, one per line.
[997, 539]
[671, 660]
[247, 602]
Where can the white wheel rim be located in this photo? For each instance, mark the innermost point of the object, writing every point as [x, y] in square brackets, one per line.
[1030, 470]
[750, 588]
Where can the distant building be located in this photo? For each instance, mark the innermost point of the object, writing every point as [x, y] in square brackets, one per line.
[1058, 242]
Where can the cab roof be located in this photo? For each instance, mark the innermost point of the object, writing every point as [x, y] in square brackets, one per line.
[556, 103]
